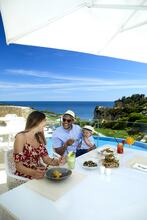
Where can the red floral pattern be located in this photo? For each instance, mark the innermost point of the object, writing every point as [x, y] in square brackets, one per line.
[30, 157]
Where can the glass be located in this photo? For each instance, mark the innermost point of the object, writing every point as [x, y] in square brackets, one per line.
[120, 148]
[71, 160]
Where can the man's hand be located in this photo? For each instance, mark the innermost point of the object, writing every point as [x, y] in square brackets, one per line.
[69, 142]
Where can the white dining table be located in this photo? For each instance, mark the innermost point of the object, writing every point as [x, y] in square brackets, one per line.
[119, 196]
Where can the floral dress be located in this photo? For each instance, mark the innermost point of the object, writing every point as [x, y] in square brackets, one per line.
[30, 157]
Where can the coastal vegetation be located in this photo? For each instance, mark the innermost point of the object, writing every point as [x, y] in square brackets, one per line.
[127, 117]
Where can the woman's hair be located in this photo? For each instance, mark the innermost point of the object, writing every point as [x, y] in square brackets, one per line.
[33, 120]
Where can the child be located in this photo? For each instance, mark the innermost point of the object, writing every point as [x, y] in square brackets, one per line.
[87, 142]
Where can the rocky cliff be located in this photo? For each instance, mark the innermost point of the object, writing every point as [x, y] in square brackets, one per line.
[18, 110]
[134, 106]
[108, 114]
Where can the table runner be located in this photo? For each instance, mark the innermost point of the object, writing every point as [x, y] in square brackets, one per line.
[54, 190]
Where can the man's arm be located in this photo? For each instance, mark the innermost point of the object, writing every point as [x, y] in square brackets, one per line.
[62, 149]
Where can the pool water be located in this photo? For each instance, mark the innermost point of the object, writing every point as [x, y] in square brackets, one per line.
[100, 141]
[111, 141]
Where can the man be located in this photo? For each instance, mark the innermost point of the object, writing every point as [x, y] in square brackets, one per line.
[66, 137]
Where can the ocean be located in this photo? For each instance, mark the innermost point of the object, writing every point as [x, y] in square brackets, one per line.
[84, 110]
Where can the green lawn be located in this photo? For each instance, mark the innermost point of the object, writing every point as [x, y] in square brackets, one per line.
[115, 133]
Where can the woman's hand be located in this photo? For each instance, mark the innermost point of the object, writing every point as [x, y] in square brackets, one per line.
[62, 160]
[38, 173]
[57, 162]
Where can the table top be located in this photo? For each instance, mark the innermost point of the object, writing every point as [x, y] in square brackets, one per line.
[121, 195]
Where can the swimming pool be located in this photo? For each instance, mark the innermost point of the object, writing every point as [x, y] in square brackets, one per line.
[100, 141]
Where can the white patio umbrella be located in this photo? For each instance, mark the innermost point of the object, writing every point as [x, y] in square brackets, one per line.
[115, 28]
[14, 125]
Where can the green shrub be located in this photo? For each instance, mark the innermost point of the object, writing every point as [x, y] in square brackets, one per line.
[135, 116]
[120, 125]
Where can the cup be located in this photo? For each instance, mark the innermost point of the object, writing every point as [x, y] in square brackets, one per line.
[102, 169]
[108, 171]
[120, 148]
[71, 160]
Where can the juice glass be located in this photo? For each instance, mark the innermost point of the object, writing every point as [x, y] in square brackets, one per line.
[120, 148]
[71, 160]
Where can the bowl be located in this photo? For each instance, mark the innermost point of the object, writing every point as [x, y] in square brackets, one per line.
[58, 173]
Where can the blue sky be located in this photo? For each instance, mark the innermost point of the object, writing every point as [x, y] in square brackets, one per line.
[42, 74]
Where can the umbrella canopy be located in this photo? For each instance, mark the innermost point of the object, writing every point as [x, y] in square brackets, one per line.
[115, 28]
[14, 124]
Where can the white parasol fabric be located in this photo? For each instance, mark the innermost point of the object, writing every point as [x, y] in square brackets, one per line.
[14, 124]
[115, 28]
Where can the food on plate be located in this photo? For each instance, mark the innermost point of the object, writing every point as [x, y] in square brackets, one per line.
[89, 163]
[56, 174]
[107, 150]
[110, 161]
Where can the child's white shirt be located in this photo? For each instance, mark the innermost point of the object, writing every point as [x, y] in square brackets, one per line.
[84, 145]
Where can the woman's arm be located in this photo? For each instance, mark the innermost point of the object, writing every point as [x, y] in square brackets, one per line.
[53, 162]
[50, 161]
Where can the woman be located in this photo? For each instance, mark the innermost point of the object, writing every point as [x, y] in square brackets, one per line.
[30, 151]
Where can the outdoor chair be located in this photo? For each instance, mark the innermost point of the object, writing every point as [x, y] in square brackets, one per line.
[12, 179]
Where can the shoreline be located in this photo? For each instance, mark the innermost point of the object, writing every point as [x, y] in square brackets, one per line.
[83, 109]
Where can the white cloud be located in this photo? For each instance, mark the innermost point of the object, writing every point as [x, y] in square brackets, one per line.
[64, 84]
[74, 79]
[85, 85]
[28, 73]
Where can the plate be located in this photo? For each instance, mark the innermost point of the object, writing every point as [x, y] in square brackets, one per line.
[106, 150]
[58, 173]
[90, 167]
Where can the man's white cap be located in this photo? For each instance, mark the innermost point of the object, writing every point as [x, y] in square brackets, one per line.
[90, 128]
[71, 113]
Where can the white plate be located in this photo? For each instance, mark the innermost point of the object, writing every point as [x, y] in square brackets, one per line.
[90, 159]
[102, 151]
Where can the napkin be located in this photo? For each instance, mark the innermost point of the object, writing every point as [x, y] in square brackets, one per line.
[140, 166]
